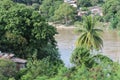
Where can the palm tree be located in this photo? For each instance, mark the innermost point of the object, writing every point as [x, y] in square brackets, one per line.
[90, 36]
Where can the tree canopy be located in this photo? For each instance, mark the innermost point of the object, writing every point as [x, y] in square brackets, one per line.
[88, 3]
[111, 11]
[25, 32]
[65, 12]
[48, 7]
[28, 2]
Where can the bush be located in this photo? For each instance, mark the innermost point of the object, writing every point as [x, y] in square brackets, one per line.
[81, 56]
[40, 69]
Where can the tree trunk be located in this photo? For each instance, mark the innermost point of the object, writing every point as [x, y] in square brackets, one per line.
[66, 20]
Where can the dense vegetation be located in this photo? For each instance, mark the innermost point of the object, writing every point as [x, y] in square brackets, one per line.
[111, 10]
[25, 31]
[88, 3]
[28, 2]
[64, 13]
[48, 7]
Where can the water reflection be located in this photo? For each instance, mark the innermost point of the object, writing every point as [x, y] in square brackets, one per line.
[66, 43]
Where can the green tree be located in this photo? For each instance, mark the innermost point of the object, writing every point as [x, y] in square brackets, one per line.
[111, 12]
[28, 2]
[90, 36]
[110, 8]
[6, 4]
[65, 12]
[81, 56]
[40, 69]
[88, 3]
[48, 7]
[83, 3]
[25, 32]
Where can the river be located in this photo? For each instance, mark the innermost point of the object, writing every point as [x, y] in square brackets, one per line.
[66, 44]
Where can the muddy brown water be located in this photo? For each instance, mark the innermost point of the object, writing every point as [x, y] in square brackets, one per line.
[66, 43]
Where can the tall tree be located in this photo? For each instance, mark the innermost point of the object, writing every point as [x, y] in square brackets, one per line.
[28, 2]
[25, 32]
[65, 12]
[48, 8]
[83, 3]
[111, 11]
[90, 36]
[88, 3]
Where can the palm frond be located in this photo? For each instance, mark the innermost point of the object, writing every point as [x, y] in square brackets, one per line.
[90, 36]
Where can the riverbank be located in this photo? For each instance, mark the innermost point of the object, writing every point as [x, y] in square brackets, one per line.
[104, 26]
[61, 26]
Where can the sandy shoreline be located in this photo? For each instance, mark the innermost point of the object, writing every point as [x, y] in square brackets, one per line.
[60, 26]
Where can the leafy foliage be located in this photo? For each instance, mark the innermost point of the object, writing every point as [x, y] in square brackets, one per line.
[90, 36]
[25, 32]
[48, 7]
[111, 10]
[65, 12]
[36, 68]
[81, 56]
[88, 3]
[28, 2]
[99, 72]
[83, 3]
